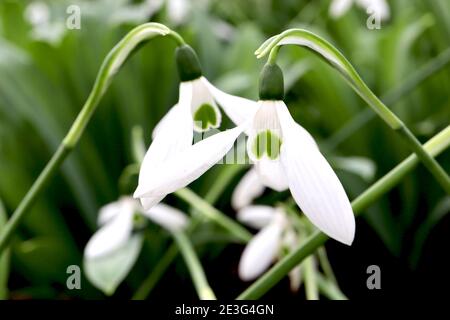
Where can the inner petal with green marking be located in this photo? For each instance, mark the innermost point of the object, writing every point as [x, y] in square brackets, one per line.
[206, 117]
[266, 143]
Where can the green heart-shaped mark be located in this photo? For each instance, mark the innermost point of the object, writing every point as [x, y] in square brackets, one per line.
[205, 117]
[266, 142]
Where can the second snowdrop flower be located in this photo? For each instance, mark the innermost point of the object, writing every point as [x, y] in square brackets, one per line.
[286, 156]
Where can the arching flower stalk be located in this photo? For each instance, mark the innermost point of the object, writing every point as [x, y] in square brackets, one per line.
[172, 160]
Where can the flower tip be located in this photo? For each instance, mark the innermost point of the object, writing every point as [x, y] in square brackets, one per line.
[346, 238]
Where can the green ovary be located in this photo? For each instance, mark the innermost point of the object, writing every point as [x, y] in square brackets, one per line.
[266, 142]
[205, 117]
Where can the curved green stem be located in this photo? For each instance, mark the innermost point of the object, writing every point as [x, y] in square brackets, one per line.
[337, 60]
[110, 66]
[434, 146]
[391, 97]
[329, 289]
[204, 291]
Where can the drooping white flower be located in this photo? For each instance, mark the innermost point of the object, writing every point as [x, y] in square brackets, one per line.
[172, 160]
[276, 236]
[117, 221]
[114, 248]
[378, 7]
[286, 156]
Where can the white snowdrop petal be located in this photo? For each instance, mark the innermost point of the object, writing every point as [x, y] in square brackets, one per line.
[271, 174]
[173, 137]
[339, 7]
[112, 235]
[185, 167]
[165, 120]
[260, 252]
[149, 202]
[201, 95]
[314, 185]
[256, 216]
[168, 217]
[238, 109]
[108, 212]
[248, 189]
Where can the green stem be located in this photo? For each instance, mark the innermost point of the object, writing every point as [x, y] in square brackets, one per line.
[309, 272]
[337, 60]
[204, 291]
[110, 66]
[223, 179]
[213, 214]
[390, 98]
[4, 260]
[434, 146]
[329, 289]
[157, 272]
[326, 266]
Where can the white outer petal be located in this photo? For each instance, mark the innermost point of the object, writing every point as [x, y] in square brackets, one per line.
[108, 212]
[313, 183]
[256, 216]
[168, 217]
[173, 137]
[248, 189]
[238, 109]
[165, 120]
[185, 167]
[339, 7]
[271, 173]
[149, 202]
[113, 234]
[260, 252]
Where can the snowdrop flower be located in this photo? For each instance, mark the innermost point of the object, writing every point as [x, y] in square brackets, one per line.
[38, 14]
[172, 161]
[378, 7]
[286, 156]
[118, 220]
[276, 236]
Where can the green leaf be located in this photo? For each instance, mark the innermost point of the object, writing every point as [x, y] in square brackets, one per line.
[107, 272]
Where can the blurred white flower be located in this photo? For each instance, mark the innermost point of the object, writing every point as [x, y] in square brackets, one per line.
[113, 250]
[172, 160]
[117, 220]
[37, 12]
[378, 7]
[38, 15]
[276, 237]
[178, 10]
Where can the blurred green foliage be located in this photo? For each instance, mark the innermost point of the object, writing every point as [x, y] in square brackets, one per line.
[43, 85]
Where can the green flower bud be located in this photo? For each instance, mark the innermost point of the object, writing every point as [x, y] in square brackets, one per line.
[187, 63]
[271, 83]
